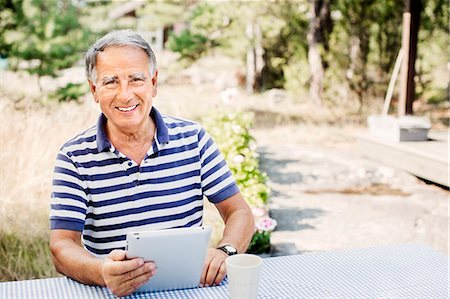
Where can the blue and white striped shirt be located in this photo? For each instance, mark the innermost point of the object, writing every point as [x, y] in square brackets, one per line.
[100, 192]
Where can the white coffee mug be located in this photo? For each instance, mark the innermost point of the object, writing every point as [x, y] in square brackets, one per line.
[243, 271]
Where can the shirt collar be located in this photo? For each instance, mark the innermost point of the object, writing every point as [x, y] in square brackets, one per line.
[162, 132]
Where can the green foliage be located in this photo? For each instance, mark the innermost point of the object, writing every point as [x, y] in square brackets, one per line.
[162, 13]
[284, 42]
[190, 46]
[70, 92]
[8, 21]
[47, 34]
[24, 257]
[438, 96]
[435, 16]
[231, 134]
[260, 243]
[358, 54]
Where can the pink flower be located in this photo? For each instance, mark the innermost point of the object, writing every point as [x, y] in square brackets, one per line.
[266, 224]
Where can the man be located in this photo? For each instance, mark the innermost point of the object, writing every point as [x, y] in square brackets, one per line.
[136, 170]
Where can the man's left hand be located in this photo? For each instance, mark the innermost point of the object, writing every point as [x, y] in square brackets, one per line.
[214, 270]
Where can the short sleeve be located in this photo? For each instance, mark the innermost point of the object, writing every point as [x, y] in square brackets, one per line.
[68, 199]
[218, 182]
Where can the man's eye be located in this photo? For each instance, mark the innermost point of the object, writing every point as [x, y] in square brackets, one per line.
[137, 79]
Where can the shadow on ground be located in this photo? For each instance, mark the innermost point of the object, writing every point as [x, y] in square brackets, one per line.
[289, 219]
[273, 168]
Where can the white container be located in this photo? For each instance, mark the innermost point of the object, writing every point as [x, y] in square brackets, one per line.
[404, 128]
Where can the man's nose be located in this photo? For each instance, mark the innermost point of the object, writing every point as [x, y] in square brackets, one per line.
[124, 90]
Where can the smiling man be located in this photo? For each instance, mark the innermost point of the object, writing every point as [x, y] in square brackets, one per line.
[136, 169]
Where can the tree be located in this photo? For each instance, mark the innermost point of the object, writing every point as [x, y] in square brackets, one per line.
[320, 27]
[47, 35]
[8, 21]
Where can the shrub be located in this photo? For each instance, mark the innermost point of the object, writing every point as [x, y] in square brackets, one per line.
[190, 45]
[70, 92]
[231, 134]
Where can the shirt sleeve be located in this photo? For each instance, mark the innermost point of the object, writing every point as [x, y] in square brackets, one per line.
[218, 182]
[68, 199]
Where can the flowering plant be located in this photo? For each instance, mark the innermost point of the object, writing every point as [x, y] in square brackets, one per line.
[264, 225]
[231, 132]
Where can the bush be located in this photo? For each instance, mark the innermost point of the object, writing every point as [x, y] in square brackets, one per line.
[70, 92]
[190, 46]
[231, 134]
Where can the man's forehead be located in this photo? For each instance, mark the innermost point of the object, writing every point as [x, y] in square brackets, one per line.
[121, 48]
[126, 56]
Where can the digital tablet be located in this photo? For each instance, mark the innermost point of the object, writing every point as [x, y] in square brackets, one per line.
[179, 255]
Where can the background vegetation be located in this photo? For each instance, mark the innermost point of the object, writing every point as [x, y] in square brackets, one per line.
[268, 45]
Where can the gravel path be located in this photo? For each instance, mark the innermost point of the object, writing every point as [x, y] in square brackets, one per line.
[325, 196]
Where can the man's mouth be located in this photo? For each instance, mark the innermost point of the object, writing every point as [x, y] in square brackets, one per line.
[127, 109]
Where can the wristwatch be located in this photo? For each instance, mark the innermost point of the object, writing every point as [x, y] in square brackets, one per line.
[228, 249]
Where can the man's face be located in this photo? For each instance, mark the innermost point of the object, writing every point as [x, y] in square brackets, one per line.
[124, 88]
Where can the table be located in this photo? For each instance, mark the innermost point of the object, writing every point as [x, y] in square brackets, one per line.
[399, 271]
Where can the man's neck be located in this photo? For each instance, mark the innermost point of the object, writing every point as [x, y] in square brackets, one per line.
[121, 137]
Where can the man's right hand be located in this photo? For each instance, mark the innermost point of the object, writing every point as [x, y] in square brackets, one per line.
[122, 276]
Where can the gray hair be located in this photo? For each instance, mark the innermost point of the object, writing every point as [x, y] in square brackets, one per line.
[117, 38]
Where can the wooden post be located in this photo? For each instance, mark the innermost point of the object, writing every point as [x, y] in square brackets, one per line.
[411, 18]
[415, 8]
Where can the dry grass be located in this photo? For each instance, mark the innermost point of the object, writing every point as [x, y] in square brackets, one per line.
[30, 139]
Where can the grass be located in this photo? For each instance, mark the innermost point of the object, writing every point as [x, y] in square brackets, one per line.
[24, 257]
[30, 136]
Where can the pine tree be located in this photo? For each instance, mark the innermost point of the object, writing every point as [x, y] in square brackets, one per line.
[47, 35]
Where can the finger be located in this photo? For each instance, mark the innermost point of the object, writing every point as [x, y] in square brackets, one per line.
[148, 267]
[213, 269]
[205, 268]
[124, 292]
[131, 285]
[137, 281]
[117, 255]
[221, 274]
[123, 267]
[151, 265]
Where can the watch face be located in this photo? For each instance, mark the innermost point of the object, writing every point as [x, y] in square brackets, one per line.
[230, 249]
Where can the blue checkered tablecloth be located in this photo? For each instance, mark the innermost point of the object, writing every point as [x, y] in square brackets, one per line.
[403, 271]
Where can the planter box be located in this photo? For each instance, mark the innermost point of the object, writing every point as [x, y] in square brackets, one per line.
[404, 128]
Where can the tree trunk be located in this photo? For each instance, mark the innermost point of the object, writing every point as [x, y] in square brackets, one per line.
[39, 84]
[415, 8]
[255, 62]
[359, 51]
[319, 27]
[317, 73]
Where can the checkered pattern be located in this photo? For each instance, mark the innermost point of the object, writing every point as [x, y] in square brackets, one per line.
[404, 271]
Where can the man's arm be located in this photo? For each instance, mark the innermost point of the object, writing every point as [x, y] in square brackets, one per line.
[121, 276]
[239, 229]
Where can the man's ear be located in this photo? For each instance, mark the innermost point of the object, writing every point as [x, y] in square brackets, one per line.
[155, 83]
[93, 89]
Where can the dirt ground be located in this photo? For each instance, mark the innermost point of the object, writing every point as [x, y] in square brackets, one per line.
[325, 196]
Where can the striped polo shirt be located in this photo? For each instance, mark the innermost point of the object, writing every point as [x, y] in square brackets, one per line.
[100, 192]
